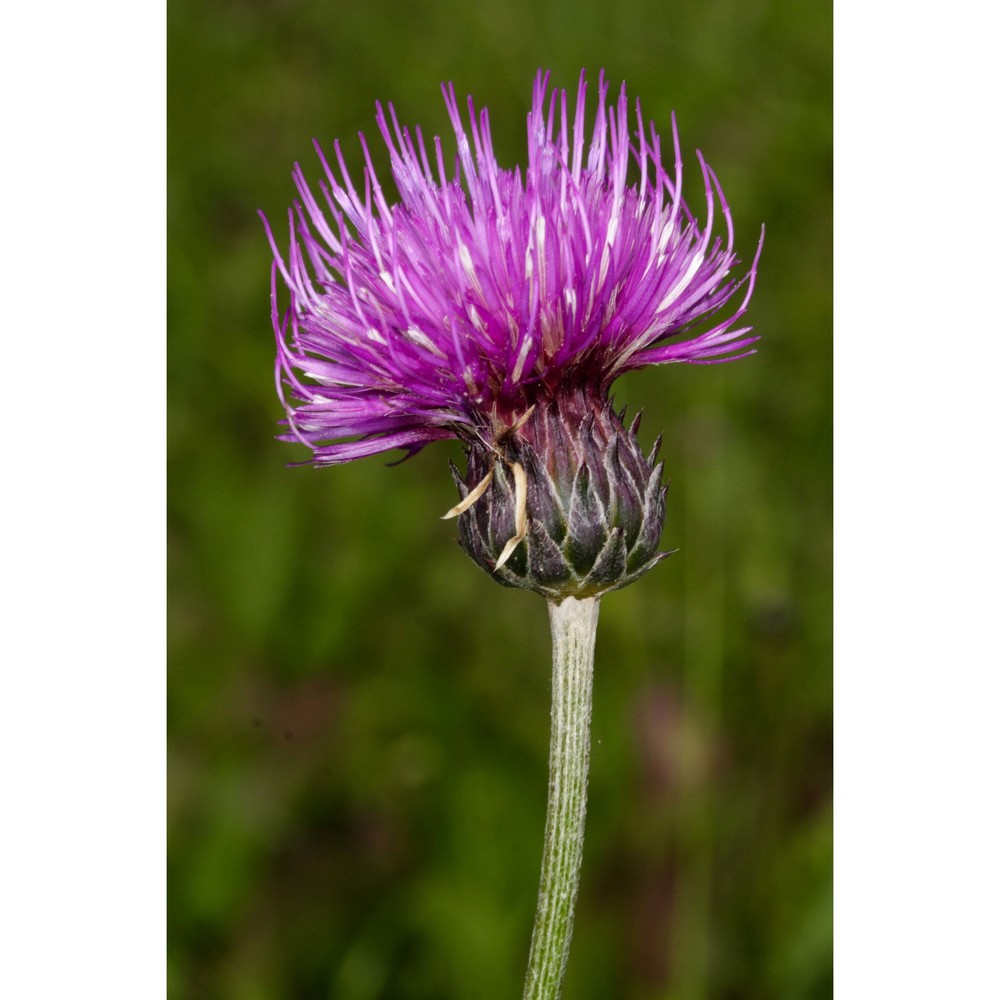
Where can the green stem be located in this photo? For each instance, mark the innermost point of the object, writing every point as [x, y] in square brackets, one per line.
[574, 628]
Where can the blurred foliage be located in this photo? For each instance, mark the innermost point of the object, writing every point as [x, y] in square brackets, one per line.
[358, 715]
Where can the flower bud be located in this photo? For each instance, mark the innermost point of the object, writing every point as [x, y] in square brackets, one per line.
[571, 507]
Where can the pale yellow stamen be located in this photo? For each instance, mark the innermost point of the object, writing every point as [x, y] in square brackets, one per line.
[522, 419]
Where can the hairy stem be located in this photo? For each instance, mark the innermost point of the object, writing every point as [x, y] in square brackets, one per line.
[574, 628]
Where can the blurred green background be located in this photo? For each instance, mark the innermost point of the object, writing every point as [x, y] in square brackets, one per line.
[358, 715]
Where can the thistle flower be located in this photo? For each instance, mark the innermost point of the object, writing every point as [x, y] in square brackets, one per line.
[497, 308]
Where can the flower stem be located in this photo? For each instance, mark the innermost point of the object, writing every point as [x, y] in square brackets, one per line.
[574, 628]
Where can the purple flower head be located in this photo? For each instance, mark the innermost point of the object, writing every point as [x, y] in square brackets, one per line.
[484, 291]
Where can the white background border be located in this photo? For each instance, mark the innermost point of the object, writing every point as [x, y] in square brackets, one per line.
[83, 638]
[82, 645]
[916, 651]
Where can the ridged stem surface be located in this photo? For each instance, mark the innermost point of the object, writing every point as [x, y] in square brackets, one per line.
[574, 628]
